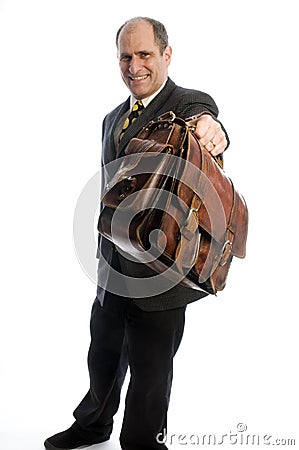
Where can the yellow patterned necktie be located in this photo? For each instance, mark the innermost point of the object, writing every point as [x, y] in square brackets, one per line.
[138, 106]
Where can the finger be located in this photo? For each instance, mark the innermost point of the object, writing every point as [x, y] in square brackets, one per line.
[209, 133]
[203, 124]
[217, 145]
[220, 144]
[213, 142]
[209, 146]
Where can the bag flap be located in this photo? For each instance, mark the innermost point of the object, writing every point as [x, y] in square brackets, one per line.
[142, 164]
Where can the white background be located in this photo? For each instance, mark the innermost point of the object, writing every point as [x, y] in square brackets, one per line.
[59, 77]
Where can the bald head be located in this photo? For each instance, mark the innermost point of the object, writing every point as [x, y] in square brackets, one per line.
[159, 31]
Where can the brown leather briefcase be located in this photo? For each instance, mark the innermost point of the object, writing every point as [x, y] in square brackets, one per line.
[171, 205]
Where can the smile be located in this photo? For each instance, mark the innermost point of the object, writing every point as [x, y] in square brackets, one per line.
[138, 78]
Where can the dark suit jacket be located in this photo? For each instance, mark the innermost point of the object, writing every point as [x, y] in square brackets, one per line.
[184, 103]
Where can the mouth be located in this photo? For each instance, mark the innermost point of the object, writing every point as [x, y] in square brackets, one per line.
[140, 78]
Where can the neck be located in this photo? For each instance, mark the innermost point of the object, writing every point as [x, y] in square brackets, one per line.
[147, 100]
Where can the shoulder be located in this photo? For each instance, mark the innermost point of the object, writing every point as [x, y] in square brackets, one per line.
[189, 101]
[184, 102]
[190, 93]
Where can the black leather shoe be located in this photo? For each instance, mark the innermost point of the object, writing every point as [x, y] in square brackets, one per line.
[70, 439]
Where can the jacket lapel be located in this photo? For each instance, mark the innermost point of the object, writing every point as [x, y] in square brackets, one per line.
[121, 110]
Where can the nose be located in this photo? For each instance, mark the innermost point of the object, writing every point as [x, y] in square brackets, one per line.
[135, 65]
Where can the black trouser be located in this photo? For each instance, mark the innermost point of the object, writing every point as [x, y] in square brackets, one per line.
[122, 334]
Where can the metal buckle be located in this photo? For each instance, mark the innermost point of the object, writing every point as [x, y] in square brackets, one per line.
[170, 115]
[225, 252]
[225, 244]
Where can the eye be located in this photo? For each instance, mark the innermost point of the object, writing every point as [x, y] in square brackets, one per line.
[125, 58]
[144, 54]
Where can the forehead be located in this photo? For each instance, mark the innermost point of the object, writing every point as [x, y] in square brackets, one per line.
[137, 36]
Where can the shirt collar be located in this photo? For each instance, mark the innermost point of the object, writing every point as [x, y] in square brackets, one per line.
[147, 100]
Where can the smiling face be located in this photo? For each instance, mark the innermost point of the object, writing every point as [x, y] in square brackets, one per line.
[143, 67]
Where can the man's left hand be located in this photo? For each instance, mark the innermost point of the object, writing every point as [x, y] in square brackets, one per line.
[210, 135]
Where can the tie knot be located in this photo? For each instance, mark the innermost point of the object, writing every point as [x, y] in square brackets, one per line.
[137, 106]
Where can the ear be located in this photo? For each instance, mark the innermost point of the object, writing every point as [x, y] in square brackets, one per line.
[167, 54]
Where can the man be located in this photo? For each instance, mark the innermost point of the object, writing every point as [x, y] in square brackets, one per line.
[142, 333]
